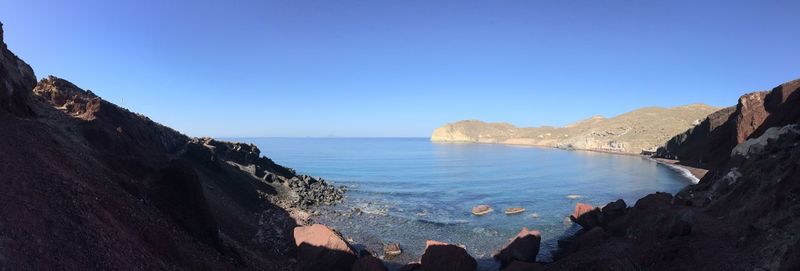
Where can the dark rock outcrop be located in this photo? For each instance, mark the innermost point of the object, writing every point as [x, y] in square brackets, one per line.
[98, 187]
[369, 263]
[741, 216]
[523, 248]
[709, 144]
[320, 248]
[586, 215]
[16, 81]
[613, 210]
[312, 191]
[523, 266]
[700, 144]
[440, 256]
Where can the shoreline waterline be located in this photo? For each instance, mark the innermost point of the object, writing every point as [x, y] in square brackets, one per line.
[692, 173]
[406, 191]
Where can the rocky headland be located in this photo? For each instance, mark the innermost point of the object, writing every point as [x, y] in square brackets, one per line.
[638, 131]
[88, 185]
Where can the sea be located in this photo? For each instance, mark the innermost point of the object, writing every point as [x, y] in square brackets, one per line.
[409, 190]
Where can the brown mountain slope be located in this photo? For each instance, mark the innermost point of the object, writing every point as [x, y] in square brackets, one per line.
[632, 132]
[88, 185]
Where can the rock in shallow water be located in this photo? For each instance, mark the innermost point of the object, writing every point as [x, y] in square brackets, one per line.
[481, 209]
[392, 249]
[514, 210]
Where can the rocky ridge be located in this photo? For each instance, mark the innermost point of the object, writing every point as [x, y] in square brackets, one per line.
[641, 130]
[740, 216]
[87, 184]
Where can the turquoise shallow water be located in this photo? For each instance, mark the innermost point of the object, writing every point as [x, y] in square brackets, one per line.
[410, 189]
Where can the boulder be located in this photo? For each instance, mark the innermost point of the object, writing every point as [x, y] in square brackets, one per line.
[586, 215]
[613, 210]
[523, 266]
[441, 256]
[481, 209]
[514, 210]
[392, 249]
[321, 248]
[369, 263]
[654, 202]
[524, 247]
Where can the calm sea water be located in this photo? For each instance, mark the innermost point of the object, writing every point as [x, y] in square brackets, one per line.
[407, 190]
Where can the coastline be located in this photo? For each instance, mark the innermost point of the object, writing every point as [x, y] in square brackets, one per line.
[535, 146]
[692, 173]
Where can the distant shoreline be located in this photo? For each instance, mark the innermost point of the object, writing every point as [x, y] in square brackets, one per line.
[695, 173]
[692, 173]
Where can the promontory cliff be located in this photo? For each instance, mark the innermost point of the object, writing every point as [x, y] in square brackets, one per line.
[641, 130]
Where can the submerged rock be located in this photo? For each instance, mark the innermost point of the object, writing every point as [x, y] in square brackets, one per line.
[573, 196]
[481, 209]
[514, 210]
[392, 249]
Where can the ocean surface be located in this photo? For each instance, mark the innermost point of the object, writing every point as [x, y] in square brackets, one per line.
[407, 190]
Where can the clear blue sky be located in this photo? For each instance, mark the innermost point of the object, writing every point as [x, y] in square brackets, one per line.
[402, 68]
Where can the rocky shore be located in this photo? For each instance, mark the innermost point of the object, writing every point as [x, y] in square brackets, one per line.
[88, 185]
[740, 216]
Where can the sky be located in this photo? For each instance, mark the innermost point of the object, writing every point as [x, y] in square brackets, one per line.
[403, 68]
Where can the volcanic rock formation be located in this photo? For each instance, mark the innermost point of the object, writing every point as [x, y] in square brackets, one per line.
[743, 215]
[86, 184]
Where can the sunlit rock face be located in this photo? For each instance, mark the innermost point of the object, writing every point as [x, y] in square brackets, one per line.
[709, 145]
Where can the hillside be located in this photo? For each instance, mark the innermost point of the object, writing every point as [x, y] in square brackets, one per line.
[88, 185]
[741, 216]
[640, 130]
